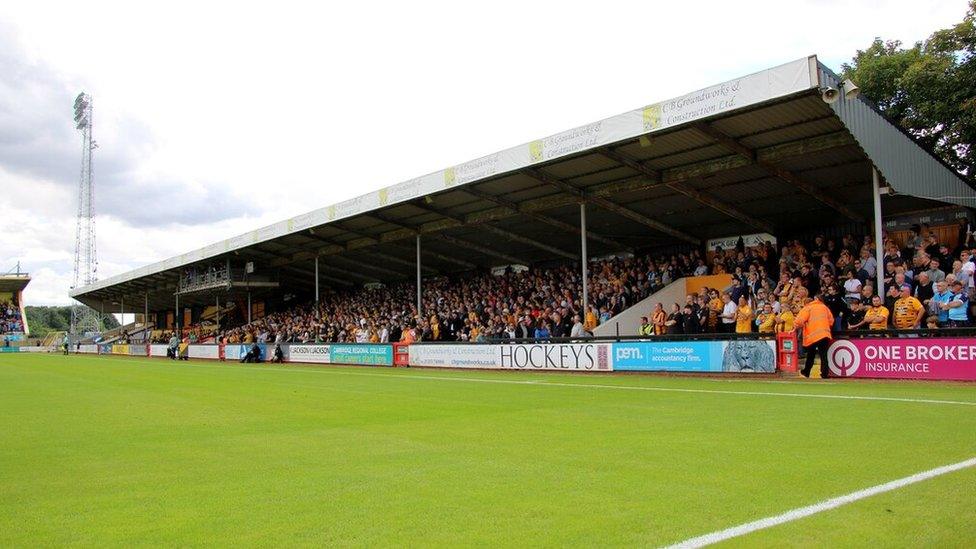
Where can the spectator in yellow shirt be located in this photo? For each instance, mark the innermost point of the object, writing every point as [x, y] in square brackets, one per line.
[785, 321]
[767, 320]
[908, 311]
[877, 314]
[592, 319]
[743, 316]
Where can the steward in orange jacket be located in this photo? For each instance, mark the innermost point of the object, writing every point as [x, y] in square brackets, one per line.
[815, 319]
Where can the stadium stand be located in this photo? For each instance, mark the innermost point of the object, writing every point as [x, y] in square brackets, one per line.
[13, 322]
[774, 286]
[759, 179]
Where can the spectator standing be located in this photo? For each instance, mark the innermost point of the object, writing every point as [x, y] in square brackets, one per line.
[577, 330]
[691, 320]
[728, 313]
[958, 307]
[876, 316]
[785, 320]
[938, 305]
[658, 318]
[908, 311]
[766, 321]
[935, 273]
[743, 316]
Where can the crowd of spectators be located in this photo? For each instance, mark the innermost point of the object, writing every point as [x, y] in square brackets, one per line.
[926, 284]
[537, 302]
[10, 320]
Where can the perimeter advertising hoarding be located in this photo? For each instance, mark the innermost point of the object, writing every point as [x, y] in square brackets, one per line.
[752, 356]
[204, 351]
[904, 358]
[318, 354]
[539, 356]
[366, 353]
[157, 349]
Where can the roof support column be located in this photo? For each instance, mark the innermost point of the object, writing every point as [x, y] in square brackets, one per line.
[584, 262]
[878, 238]
[122, 310]
[420, 313]
[248, 306]
[176, 314]
[316, 279]
[217, 320]
[145, 317]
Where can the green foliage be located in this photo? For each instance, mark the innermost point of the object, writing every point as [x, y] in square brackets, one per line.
[44, 320]
[929, 89]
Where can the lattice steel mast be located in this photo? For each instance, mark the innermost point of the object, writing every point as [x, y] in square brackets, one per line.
[84, 319]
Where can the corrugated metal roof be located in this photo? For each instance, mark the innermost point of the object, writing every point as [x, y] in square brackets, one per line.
[906, 166]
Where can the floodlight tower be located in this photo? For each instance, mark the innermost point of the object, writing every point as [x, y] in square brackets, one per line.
[84, 319]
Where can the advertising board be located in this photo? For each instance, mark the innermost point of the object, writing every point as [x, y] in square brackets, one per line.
[372, 354]
[904, 358]
[317, 354]
[747, 356]
[204, 351]
[37, 349]
[538, 356]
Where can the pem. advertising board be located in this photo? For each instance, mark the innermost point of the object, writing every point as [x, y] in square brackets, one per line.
[537, 356]
[904, 358]
[747, 356]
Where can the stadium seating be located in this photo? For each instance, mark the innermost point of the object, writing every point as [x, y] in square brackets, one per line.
[517, 303]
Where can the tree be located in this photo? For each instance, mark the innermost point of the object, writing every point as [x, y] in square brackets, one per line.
[44, 320]
[928, 89]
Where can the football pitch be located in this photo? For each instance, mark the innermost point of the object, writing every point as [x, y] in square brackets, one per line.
[126, 451]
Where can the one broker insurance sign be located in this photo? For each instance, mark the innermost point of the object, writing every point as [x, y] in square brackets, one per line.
[904, 358]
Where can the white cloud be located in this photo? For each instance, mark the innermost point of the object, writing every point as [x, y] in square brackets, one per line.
[264, 111]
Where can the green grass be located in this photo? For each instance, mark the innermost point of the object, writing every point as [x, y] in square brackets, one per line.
[126, 451]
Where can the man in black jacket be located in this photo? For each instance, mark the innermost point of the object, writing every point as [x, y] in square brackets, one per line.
[837, 305]
[690, 321]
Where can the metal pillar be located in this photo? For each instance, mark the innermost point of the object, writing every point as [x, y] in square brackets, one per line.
[176, 318]
[122, 308]
[585, 260]
[249, 306]
[145, 316]
[420, 313]
[878, 238]
[316, 280]
[217, 300]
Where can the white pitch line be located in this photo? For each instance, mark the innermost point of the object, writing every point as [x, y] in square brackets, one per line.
[543, 383]
[826, 505]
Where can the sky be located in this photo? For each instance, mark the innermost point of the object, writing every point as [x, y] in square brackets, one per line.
[216, 118]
